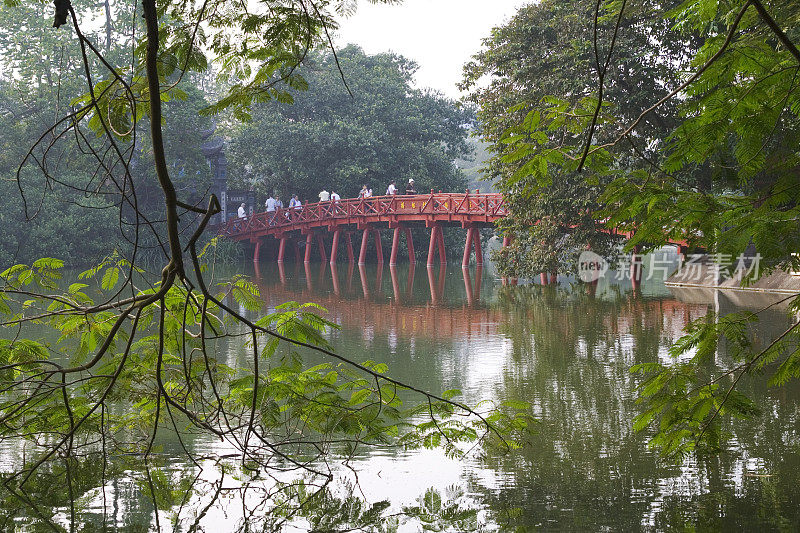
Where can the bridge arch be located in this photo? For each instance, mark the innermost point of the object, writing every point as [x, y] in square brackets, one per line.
[470, 211]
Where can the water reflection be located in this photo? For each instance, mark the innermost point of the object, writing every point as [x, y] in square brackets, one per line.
[566, 349]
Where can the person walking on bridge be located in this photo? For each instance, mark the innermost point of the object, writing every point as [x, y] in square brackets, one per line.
[410, 187]
[324, 196]
[392, 190]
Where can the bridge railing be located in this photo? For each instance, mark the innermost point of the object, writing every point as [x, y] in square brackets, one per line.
[479, 205]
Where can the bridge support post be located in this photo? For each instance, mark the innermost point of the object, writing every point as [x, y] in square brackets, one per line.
[309, 243]
[335, 245]
[437, 241]
[296, 247]
[476, 241]
[362, 255]
[395, 246]
[378, 247]
[348, 239]
[543, 278]
[432, 244]
[257, 251]
[467, 248]
[553, 278]
[412, 257]
[440, 242]
[282, 249]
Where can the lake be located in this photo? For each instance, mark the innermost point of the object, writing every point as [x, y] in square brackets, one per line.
[566, 349]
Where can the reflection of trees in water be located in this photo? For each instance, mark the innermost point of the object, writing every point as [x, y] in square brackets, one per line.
[587, 468]
[215, 495]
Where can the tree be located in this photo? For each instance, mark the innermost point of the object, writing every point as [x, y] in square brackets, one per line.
[723, 180]
[544, 61]
[149, 339]
[374, 129]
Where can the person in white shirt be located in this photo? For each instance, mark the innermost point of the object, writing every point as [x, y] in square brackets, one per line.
[242, 213]
[363, 192]
[368, 194]
[335, 197]
[324, 196]
[392, 189]
[271, 204]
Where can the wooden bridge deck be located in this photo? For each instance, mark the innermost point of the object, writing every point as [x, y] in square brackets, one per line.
[399, 212]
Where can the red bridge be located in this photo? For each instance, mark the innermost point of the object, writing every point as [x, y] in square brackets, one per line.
[468, 210]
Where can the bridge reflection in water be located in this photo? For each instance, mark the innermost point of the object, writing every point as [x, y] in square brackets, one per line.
[438, 303]
[360, 294]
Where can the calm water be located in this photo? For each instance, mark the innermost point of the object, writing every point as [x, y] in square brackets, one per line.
[566, 349]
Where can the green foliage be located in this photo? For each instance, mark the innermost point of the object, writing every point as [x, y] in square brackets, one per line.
[376, 129]
[157, 360]
[129, 355]
[540, 99]
[708, 158]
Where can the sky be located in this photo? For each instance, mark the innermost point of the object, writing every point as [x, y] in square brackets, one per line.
[440, 35]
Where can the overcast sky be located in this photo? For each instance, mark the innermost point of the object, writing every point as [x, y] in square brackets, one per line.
[440, 35]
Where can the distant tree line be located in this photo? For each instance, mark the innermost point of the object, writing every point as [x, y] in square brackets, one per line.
[361, 121]
[372, 128]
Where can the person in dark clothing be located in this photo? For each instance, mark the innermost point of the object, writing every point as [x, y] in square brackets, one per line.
[410, 187]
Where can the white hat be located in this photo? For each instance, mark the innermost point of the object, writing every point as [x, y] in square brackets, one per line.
[411, 180]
